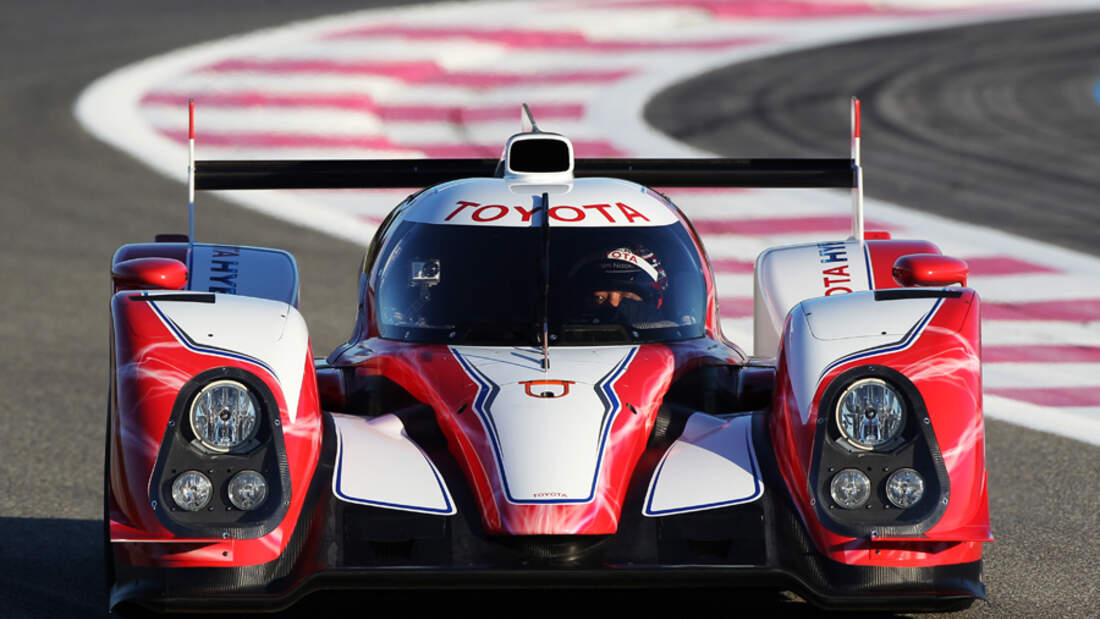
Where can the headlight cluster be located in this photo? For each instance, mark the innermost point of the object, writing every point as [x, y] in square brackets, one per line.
[192, 490]
[851, 488]
[871, 415]
[221, 470]
[224, 416]
[876, 468]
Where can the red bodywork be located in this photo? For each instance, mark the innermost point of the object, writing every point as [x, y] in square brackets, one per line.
[945, 366]
[152, 365]
[432, 375]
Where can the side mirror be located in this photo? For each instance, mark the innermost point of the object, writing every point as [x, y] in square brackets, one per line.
[930, 270]
[149, 274]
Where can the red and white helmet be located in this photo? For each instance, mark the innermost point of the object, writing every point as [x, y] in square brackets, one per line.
[628, 268]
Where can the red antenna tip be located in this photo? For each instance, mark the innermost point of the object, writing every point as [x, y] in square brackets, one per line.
[190, 119]
[855, 117]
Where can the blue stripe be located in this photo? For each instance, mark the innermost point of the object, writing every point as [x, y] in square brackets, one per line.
[485, 388]
[486, 393]
[613, 411]
[447, 510]
[907, 341]
[867, 261]
[191, 345]
[1096, 91]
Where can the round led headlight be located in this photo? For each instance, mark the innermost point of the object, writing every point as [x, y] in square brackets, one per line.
[247, 490]
[850, 488]
[904, 488]
[192, 491]
[224, 415]
[870, 413]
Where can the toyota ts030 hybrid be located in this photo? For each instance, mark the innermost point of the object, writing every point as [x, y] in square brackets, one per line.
[537, 393]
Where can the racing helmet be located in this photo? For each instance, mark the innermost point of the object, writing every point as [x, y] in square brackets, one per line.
[626, 268]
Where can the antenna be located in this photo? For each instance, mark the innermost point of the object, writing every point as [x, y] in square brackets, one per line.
[545, 280]
[857, 170]
[190, 171]
[527, 120]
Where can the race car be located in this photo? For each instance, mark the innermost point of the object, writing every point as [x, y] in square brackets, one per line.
[537, 393]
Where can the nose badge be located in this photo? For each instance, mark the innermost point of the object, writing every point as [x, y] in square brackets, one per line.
[547, 388]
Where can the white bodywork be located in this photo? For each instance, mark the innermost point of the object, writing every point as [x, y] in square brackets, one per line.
[827, 331]
[711, 465]
[784, 276]
[548, 449]
[591, 202]
[269, 334]
[377, 464]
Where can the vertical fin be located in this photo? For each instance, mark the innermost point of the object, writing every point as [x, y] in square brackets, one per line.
[527, 120]
[545, 281]
[857, 170]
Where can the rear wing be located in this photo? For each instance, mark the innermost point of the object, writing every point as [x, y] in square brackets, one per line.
[383, 173]
[416, 173]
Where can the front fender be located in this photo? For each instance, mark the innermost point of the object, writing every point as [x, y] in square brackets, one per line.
[162, 343]
[928, 342]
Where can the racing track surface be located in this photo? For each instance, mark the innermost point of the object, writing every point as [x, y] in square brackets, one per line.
[994, 124]
[68, 201]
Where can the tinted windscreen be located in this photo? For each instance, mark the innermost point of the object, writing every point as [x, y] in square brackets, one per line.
[480, 285]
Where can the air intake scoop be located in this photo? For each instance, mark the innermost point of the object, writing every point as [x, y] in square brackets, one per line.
[538, 162]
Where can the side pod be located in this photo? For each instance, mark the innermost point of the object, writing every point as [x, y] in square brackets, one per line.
[925, 345]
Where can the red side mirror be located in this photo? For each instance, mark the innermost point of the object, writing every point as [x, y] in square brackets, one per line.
[149, 274]
[930, 270]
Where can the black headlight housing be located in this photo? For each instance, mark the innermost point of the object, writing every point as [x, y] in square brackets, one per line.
[915, 447]
[180, 451]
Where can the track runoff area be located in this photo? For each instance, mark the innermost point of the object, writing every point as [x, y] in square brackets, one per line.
[446, 80]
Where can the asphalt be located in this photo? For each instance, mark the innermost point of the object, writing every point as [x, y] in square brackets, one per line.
[994, 124]
[67, 201]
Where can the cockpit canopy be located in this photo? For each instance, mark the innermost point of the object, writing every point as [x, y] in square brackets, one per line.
[471, 272]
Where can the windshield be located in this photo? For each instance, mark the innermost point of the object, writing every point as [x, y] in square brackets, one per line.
[480, 285]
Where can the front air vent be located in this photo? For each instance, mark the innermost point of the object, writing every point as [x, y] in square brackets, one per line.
[537, 162]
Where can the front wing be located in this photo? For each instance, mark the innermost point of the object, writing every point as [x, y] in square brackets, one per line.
[338, 545]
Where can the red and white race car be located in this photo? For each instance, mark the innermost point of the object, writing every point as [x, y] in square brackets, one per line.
[537, 393]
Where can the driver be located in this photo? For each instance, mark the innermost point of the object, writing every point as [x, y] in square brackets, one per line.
[624, 285]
